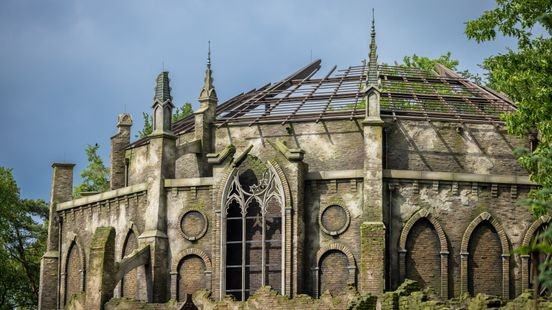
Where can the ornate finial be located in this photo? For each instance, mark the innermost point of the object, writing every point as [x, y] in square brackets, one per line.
[162, 87]
[373, 24]
[209, 53]
[372, 78]
[208, 91]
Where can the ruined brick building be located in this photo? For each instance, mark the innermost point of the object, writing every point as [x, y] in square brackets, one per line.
[358, 178]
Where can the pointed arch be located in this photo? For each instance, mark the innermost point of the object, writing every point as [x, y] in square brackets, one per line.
[272, 188]
[129, 285]
[418, 217]
[322, 253]
[485, 217]
[526, 259]
[74, 268]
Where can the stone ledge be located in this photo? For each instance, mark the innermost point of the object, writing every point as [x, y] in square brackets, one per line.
[423, 175]
[102, 196]
[188, 182]
[458, 177]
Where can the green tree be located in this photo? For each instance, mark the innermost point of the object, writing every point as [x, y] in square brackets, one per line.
[95, 177]
[525, 75]
[179, 113]
[428, 64]
[148, 126]
[23, 235]
[182, 112]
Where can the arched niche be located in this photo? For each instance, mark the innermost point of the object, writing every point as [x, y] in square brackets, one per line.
[526, 260]
[494, 226]
[197, 264]
[419, 219]
[342, 260]
[73, 269]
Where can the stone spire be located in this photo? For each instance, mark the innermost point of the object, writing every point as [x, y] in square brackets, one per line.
[372, 78]
[162, 105]
[162, 88]
[208, 93]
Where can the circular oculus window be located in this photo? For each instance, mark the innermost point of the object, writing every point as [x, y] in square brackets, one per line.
[334, 220]
[193, 224]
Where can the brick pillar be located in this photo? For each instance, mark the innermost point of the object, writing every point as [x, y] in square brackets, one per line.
[444, 274]
[372, 259]
[62, 190]
[464, 272]
[117, 156]
[524, 272]
[506, 276]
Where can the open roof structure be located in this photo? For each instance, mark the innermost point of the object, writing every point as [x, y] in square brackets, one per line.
[406, 92]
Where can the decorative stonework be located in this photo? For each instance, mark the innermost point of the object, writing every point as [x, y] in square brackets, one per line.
[193, 224]
[334, 219]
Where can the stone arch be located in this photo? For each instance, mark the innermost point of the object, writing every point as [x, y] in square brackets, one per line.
[72, 285]
[529, 234]
[424, 214]
[485, 217]
[526, 259]
[179, 259]
[333, 247]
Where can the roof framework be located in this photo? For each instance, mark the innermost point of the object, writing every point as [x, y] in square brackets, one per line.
[407, 93]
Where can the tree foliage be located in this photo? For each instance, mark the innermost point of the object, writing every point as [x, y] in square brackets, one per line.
[525, 75]
[148, 126]
[182, 112]
[95, 177]
[428, 64]
[179, 113]
[23, 236]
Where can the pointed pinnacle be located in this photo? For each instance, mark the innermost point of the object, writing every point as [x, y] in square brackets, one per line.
[372, 78]
[162, 87]
[208, 90]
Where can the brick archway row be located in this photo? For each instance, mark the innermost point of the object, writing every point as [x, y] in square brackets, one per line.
[351, 264]
[464, 254]
[529, 234]
[444, 249]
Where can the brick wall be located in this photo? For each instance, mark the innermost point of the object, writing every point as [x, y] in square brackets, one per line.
[422, 258]
[129, 283]
[73, 273]
[485, 263]
[191, 276]
[333, 272]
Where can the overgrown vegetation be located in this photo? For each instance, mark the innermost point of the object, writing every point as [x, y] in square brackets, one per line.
[23, 233]
[525, 75]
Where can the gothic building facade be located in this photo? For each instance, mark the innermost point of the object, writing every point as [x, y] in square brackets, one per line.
[358, 178]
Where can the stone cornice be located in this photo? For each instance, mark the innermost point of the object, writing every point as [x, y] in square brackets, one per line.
[102, 196]
[424, 175]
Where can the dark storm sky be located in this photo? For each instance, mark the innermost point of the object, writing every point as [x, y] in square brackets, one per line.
[67, 68]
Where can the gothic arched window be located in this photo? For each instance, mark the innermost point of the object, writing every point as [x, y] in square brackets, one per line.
[254, 205]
